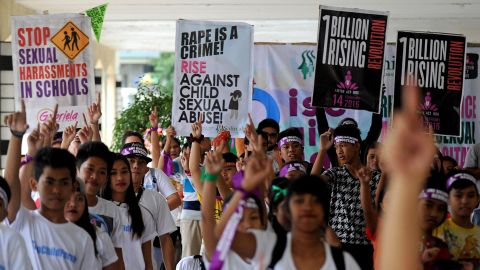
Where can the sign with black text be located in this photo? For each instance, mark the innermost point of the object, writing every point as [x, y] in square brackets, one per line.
[434, 63]
[213, 76]
[350, 59]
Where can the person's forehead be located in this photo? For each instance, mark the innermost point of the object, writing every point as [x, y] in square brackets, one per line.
[95, 162]
[133, 138]
[56, 173]
[269, 130]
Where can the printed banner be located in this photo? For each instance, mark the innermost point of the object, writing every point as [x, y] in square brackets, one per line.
[52, 64]
[284, 78]
[435, 64]
[351, 52]
[213, 76]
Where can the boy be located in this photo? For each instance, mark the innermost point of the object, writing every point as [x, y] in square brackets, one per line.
[93, 164]
[52, 242]
[346, 213]
[460, 234]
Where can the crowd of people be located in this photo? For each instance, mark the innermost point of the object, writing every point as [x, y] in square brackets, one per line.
[71, 203]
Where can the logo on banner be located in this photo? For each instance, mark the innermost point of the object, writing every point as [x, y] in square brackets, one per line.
[471, 67]
[70, 40]
[348, 84]
[307, 67]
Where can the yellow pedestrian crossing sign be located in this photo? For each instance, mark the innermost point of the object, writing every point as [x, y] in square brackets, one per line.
[70, 40]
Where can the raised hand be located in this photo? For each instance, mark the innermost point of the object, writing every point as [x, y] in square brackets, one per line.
[49, 128]
[364, 175]
[214, 162]
[69, 135]
[153, 117]
[95, 110]
[257, 171]
[85, 134]
[408, 148]
[197, 127]
[171, 132]
[34, 141]
[250, 131]
[17, 121]
[326, 140]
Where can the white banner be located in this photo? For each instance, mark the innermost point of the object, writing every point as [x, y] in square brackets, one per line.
[213, 76]
[52, 64]
[284, 76]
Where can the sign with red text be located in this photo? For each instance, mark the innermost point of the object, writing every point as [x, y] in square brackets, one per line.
[213, 76]
[434, 63]
[351, 53]
[52, 64]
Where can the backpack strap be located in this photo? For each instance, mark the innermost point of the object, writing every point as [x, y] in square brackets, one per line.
[278, 250]
[338, 258]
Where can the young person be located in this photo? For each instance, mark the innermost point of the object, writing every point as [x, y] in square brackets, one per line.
[138, 227]
[346, 213]
[270, 128]
[460, 234]
[152, 203]
[291, 145]
[307, 206]
[372, 157]
[13, 254]
[76, 211]
[93, 164]
[52, 242]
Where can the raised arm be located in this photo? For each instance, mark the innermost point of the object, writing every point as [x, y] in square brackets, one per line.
[408, 152]
[153, 117]
[68, 135]
[369, 213]
[94, 113]
[195, 156]
[165, 156]
[17, 122]
[326, 142]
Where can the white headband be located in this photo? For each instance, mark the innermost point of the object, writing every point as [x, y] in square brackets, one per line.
[436, 194]
[250, 203]
[459, 176]
[288, 139]
[347, 139]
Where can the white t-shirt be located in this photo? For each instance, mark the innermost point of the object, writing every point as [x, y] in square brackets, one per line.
[266, 243]
[106, 215]
[13, 253]
[54, 246]
[161, 184]
[106, 252]
[132, 248]
[157, 209]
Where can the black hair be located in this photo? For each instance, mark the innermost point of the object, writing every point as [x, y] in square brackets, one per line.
[230, 157]
[85, 223]
[138, 227]
[290, 132]
[94, 149]
[314, 186]
[57, 138]
[4, 185]
[236, 93]
[450, 159]
[130, 133]
[348, 121]
[246, 141]
[347, 130]
[56, 158]
[461, 183]
[268, 122]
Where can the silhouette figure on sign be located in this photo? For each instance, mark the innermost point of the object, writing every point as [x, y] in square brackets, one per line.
[233, 105]
[67, 40]
[75, 38]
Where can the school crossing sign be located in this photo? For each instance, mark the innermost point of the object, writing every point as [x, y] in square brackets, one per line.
[70, 40]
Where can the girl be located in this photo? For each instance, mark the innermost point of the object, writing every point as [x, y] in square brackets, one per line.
[137, 226]
[307, 207]
[76, 211]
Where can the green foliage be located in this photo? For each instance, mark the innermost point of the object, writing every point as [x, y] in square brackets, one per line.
[135, 117]
[163, 70]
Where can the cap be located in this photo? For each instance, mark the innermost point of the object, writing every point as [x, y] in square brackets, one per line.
[135, 149]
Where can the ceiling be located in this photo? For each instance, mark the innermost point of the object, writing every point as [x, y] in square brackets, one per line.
[150, 24]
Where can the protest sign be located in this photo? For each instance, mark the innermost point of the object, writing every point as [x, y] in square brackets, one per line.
[434, 63]
[52, 64]
[351, 52]
[213, 76]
